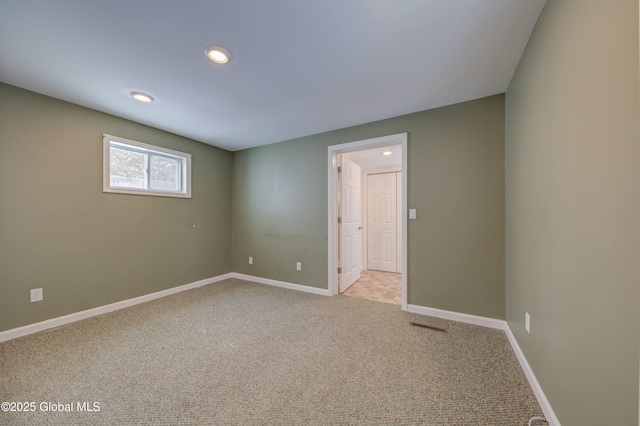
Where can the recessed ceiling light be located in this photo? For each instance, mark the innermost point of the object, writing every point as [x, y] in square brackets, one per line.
[218, 54]
[142, 97]
[387, 153]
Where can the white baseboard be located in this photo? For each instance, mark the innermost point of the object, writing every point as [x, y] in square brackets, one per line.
[456, 316]
[533, 382]
[77, 316]
[282, 284]
[422, 310]
[500, 325]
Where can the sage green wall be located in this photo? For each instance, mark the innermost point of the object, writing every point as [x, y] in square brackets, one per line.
[85, 248]
[456, 182]
[573, 208]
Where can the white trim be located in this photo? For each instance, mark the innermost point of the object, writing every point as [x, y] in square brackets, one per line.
[422, 310]
[281, 284]
[332, 177]
[459, 317]
[405, 225]
[77, 316]
[399, 221]
[333, 230]
[146, 146]
[533, 382]
[184, 158]
[381, 170]
[499, 325]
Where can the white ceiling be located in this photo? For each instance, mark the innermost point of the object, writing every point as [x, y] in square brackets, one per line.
[373, 158]
[299, 67]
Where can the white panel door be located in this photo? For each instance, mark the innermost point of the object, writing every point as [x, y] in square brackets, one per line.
[382, 222]
[350, 211]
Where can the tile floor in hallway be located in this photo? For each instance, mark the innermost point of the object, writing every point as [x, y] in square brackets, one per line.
[380, 286]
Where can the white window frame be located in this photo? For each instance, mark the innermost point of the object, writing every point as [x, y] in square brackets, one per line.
[181, 156]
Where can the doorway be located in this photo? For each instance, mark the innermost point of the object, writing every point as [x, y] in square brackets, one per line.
[354, 246]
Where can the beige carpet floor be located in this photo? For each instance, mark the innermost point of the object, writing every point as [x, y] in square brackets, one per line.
[242, 353]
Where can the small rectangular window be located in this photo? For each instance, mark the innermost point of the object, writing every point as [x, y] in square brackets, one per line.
[136, 168]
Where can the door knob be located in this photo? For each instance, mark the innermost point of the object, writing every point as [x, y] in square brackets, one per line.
[359, 227]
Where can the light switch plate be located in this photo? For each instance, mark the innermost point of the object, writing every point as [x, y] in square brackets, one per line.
[412, 213]
[299, 266]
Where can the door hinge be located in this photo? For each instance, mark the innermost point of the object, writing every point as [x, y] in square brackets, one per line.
[339, 269]
[339, 220]
[339, 169]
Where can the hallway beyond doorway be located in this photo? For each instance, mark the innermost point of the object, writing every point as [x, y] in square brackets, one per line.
[379, 286]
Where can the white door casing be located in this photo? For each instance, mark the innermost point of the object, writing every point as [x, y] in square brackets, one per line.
[399, 220]
[351, 240]
[382, 222]
[333, 241]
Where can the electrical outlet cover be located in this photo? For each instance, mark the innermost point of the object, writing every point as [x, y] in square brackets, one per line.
[36, 295]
